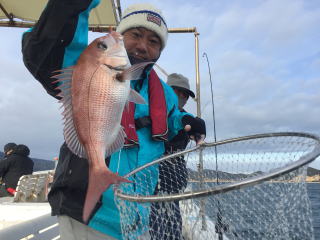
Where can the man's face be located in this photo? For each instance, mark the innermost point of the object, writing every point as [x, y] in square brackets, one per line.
[182, 97]
[142, 44]
[181, 94]
[7, 153]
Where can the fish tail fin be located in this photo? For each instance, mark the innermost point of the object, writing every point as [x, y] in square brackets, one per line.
[99, 181]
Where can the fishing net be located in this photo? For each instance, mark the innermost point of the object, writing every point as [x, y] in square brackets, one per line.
[245, 188]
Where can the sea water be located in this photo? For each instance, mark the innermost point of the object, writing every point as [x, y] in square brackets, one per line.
[314, 196]
[269, 211]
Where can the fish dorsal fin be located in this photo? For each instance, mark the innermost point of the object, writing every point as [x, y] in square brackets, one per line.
[71, 138]
[64, 79]
[117, 143]
[135, 97]
[134, 72]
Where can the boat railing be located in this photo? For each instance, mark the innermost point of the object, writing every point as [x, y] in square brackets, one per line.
[33, 187]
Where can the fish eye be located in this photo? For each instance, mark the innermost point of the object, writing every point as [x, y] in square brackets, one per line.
[102, 45]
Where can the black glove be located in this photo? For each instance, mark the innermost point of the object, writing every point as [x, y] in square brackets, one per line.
[198, 126]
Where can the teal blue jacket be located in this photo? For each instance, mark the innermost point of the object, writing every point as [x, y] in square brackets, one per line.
[107, 219]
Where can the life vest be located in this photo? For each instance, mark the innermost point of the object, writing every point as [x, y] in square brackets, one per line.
[157, 111]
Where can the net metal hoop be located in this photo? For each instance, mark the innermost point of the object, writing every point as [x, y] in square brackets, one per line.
[307, 158]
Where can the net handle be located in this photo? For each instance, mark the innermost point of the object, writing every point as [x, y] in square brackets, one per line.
[226, 187]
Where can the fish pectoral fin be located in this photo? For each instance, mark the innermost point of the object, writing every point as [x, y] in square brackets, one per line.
[134, 72]
[117, 144]
[135, 97]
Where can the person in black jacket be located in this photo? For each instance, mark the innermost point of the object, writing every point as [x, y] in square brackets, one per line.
[176, 168]
[8, 148]
[15, 164]
[165, 218]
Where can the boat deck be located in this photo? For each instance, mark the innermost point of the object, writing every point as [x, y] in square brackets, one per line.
[27, 214]
[14, 213]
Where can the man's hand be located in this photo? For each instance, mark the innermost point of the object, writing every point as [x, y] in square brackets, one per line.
[195, 127]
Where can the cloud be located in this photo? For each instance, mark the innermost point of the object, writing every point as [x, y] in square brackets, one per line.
[28, 114]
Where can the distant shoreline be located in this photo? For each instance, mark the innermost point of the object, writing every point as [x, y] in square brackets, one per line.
[229, 181]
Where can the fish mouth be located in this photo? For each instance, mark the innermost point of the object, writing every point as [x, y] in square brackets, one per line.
[117, 68]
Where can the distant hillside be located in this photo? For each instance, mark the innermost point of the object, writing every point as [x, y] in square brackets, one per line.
[312, 172]
[211, 174]
[39, 164]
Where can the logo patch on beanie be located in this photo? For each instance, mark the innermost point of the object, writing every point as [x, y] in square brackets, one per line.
[154, 19]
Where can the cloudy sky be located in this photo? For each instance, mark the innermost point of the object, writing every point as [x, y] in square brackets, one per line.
[265, 64]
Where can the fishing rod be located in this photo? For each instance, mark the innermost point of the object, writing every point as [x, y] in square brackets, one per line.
[220, 226]
[213, 116]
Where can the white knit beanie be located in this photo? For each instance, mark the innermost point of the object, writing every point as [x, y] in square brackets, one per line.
[147, 16]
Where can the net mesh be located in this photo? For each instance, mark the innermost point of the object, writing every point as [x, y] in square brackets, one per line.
[275, 209]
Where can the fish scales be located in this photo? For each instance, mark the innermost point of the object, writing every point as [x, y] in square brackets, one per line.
[102, 102]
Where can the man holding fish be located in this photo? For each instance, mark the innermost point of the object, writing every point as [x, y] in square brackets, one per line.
[93, 84]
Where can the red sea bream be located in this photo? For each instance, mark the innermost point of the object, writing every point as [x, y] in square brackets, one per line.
[94, 93]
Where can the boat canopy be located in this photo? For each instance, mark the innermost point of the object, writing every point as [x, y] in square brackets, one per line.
[17, 13]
